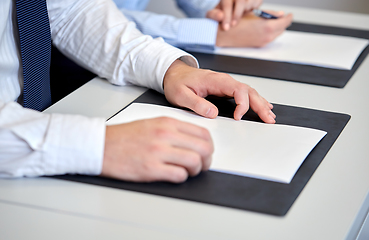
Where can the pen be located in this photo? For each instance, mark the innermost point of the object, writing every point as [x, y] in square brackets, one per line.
[263, 14]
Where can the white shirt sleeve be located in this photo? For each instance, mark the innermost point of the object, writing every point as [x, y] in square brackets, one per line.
[36, 144]
[95, 34]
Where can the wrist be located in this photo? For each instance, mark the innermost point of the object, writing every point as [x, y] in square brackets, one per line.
[173, 71]
[222, 39]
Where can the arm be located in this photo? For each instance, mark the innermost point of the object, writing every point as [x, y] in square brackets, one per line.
[183, 149]
[97, 36]
[198, 32]
[35, 144]
[141, 60]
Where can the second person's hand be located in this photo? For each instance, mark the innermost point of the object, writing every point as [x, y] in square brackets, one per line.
[253, 31]
[230, 12]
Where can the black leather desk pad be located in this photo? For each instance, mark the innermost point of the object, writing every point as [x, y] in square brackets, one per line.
[236, 191]
[289, 71]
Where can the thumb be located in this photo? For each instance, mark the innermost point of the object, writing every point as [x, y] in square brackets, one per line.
[197, 104]
[215, 14]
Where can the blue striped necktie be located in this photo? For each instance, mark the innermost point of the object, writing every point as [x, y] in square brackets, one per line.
[35, 46]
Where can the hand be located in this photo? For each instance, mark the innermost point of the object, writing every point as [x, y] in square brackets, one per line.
[253, 31]
[186, 86]
[230, 12]
[159, 149]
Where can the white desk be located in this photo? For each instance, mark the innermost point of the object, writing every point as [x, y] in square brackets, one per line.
[333, 205]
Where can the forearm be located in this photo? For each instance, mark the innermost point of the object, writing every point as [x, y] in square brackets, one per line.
[96, 35]
[36, 144]
[183, 33]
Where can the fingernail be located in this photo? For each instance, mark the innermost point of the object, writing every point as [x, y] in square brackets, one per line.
[271, 114]
[226, 26]
[210, 113]
[271, 118]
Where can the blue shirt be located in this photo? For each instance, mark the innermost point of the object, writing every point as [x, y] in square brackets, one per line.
[188, 33]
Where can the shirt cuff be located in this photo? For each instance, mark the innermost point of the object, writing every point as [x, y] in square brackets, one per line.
[197, 33]
[74, 144]
[154, 62]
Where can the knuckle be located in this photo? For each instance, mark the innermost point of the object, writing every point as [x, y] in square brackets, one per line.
[210, 149]
[155, 149]
[207, 149]
[162, 133]
[252, 90]
[243, 88]
[205, 133]
[211, 74]
[193, 160]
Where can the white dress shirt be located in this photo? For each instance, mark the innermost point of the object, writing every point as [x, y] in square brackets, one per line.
[95, 34]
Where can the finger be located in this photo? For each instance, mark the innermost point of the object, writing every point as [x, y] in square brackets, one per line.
[215, 14]
[227, 7]
[193, 158]
[238, 12]
[241, 97]
[289, 19]
[277, 27]
[168, 172]
[246, 97]
[261, 107]
[257, 4]
[187, 159]
[281, 23]
[198, 145]
[272, 114]
[275, 13]
[196, 139]
[197, 104]
[194, 130]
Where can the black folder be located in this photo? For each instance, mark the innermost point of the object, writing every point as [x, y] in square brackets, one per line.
[289, 71]
[236, 191]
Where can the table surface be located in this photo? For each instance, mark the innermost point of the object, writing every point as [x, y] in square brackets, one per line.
[333, 205]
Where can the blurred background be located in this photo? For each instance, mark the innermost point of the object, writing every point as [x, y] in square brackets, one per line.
[358, 6]
[68, 81]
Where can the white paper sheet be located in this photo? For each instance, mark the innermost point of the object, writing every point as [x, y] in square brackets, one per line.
[330, 51]
[271, 152]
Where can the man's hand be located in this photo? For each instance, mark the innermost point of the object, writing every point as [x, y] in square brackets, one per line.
[230, 12]
[186, 86]
[166, 149]
[254, 31]
[159, 149]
